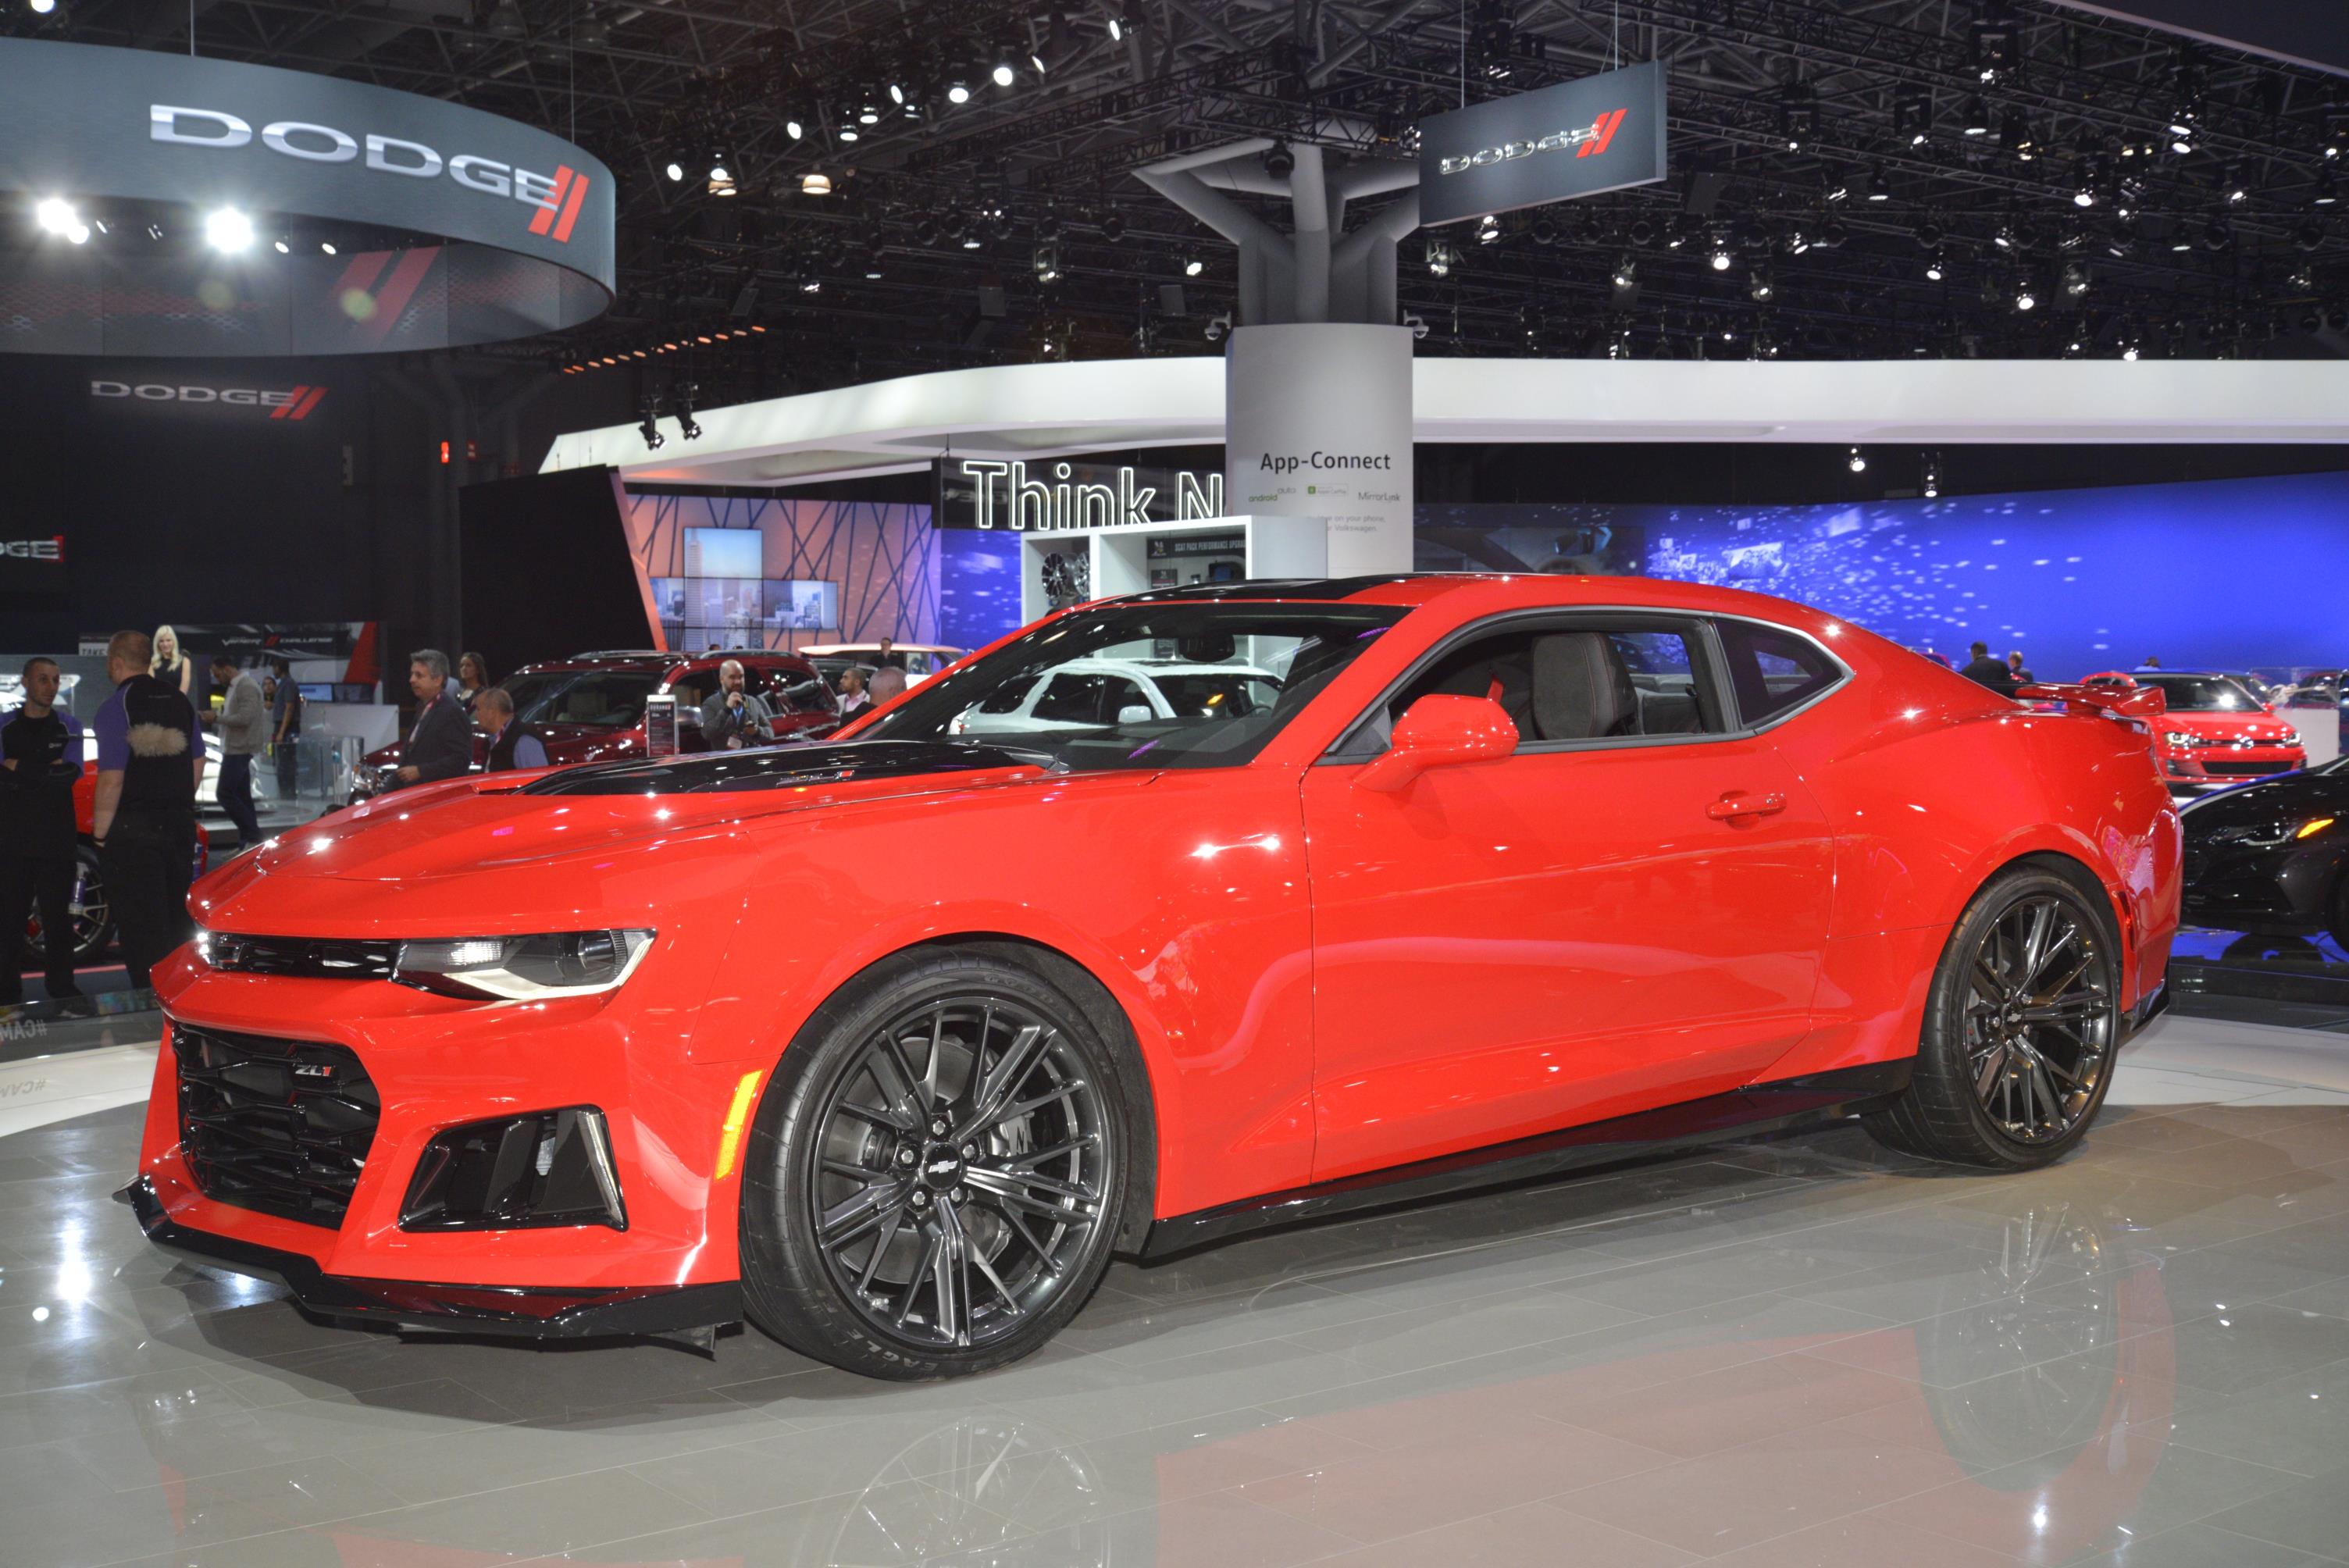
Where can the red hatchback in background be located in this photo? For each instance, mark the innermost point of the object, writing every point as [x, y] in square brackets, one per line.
[590, 707]
[2215, 733]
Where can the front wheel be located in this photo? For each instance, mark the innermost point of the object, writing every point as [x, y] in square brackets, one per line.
[2021, 1030]
[93, 922]
[937, 1171]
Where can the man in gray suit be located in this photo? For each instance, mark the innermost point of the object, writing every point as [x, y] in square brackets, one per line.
[733, 718]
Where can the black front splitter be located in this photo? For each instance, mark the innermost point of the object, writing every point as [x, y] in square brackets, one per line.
[527, 1311]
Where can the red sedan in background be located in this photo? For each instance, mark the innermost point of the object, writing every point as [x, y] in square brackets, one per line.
[591, 707]
[2214, 733]
[889, 1044]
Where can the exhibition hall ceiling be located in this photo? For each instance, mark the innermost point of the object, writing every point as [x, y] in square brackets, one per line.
[826, 191]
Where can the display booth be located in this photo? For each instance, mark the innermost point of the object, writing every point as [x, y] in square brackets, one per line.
[1063, 566]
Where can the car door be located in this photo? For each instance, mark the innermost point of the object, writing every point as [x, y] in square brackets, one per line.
[1627, 912]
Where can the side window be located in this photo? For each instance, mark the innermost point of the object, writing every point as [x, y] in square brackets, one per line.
[1773, 671]
[1071, 699]
[1585, 681]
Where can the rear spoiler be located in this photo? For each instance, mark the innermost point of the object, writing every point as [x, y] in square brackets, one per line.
[2114, 702]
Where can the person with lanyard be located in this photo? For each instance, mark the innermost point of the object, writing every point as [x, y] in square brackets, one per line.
[733, 717]
[150, 757]
[40, 762]
[441, 745]
[510, 746]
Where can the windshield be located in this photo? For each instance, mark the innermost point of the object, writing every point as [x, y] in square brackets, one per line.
[1144, 686]
[2203, 694]
[598, 699]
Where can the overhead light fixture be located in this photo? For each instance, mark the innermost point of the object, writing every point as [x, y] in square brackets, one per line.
[1279, 161]
[2026, 297]
[1936, 267]
[1192, 266]
[227, 229]
[2327, 192]
[505, 20]
[2004, 238]
[1932, 486]
[792, 128]
[1439, 259]
[815, 183]
[649, 428]
[876, 261]
[2236, 190]
[281, 245]
[721, 179]
[1879, 185]
[1761, 287]
[2086, 177]
[845, 133]
[1113, 225]
[958, 91]
[1626, 272]
[43, 8]
[1046, 260]
[1488, 231]
[56, 215]
[1912, 115]
[675, 170]
[1977, 117]
[2218, 234]
[327, 246]
[2076, 278]
[1723, 257]
[1798, 115]
[1858, 461]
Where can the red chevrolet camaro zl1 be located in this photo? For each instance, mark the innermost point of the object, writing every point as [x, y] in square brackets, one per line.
[888, 1044]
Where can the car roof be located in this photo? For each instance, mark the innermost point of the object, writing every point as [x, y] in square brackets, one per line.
[1504, 590]
[829, 649]
[1149, 667]
[648, 661]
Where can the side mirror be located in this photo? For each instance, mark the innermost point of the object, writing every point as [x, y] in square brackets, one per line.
[1135, 713]
[1439, 731]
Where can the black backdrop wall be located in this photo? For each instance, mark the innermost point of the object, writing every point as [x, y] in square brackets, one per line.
[546, 570]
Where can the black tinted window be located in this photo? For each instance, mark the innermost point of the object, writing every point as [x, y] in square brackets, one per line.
[1580, 682]
[1774, 671]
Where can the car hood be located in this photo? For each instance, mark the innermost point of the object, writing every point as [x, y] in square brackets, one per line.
[2268, 801]
[2228, 725]
[484, 822]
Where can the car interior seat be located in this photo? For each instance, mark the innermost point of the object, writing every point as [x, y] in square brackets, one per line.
[1581, 688]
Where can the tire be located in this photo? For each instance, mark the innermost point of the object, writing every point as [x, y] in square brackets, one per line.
[871, 1239]
[93, 920]
[2017, 1050]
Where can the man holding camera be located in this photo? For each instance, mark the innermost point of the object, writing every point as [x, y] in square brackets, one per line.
[733, 718]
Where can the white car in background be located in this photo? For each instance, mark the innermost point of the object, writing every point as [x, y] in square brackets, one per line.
[923, 660]
[1088, 693]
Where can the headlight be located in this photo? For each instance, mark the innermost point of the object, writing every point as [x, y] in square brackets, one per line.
[525, 968]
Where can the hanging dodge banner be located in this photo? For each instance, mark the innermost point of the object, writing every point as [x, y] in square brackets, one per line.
[498, 230]
[1577, 139]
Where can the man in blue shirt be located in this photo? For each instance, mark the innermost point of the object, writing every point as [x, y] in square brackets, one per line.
[150, 757]
[510, 746]
[40, 762]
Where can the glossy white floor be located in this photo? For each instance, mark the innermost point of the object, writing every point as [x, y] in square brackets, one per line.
[1798, 1352]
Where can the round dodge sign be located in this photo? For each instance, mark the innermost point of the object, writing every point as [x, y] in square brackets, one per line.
[514, 226]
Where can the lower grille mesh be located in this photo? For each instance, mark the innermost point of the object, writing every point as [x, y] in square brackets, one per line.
[283, 1127]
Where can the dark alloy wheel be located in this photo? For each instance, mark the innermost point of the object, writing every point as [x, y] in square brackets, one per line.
[2020, 1030]
[93, 923]
[938, 1186]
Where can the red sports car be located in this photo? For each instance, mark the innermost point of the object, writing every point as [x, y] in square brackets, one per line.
[888, 1044]
[2214, 733]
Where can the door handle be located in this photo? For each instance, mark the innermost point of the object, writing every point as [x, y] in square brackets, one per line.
[1736, 804]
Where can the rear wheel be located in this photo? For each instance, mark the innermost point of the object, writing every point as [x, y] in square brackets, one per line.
[2021, 1029]
[936, 1171]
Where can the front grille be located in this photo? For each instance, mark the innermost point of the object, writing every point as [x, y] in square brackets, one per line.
[303, 956]
[2244, 770]
[279, 1126]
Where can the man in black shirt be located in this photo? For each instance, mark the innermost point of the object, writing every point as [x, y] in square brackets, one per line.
[1990, 672]
[150, 757]
[40, 760]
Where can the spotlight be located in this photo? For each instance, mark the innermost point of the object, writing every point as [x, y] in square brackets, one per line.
[815, 184]
[2327, 192]
[1977, 117]
[793, 126]
[1912, 115]
[1856, 462]
[1798, 115]
[1833, 233]
[1929, 235]
[651, 431]
[2237, 191]
[2218, 234]
[2085, 180]
[78, 234]
[1761, 288]
[1626, 272]
[2308, 237]
[1543, 231]
[327, 246]
[227, 229]
[1936, 267]
[877, 260]
[721, 179]
[685, 393]
[1193, 265]
[1217, 327]
[1932, 486]
[281, 245]
[1278, 160]
[1439, 259]
[155, 232]
[2076, 278]
[675, 170]
[2015, 132]
[2004, 238]
[1722, 258]
[1047, 261]
[1004, 73]
[1879, 185]
[56, 215]
[1489, 232]
[1113, 225]
[845, 133]
[1116, 28]
[2026, 297]
[958, 91]
[43, 8]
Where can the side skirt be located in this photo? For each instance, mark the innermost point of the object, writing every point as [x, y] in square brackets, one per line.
[1758, 1107]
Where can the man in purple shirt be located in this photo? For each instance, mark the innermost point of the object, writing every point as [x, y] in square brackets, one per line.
[150, 757]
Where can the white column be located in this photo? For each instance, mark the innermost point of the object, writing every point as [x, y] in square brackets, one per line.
[1317, 423]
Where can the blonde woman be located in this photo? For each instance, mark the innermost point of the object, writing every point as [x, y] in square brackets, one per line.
[172, 664]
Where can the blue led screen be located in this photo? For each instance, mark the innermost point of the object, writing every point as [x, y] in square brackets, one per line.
[979, 586]
[2228, 575]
